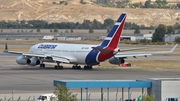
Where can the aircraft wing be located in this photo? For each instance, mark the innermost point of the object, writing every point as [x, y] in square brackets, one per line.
[131, 54]
[135, 54]
[34, 54]
[64, 59]
[61, 59]
[12, 52]
[131, 49]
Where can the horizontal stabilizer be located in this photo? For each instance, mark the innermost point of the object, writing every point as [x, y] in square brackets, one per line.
[103, 50]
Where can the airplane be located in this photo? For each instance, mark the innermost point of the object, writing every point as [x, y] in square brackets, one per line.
[82, 54]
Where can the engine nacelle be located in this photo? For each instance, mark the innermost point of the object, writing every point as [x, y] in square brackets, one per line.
[34, 61]
[22, 60]
[116, 61]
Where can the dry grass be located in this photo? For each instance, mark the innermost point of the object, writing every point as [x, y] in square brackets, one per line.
[159, 65]
[77, 12]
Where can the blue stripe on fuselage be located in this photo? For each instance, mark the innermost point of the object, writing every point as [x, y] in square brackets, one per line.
[91, 57]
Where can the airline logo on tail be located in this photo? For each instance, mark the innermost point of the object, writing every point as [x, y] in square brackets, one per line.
[109, 44]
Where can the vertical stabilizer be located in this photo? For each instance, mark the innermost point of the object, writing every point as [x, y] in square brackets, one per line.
[112, 39]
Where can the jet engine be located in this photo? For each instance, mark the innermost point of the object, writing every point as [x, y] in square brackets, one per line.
[116, 61]
[22, 60]
[34, 61]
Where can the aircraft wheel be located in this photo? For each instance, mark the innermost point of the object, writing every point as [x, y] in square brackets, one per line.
[42, 65]
[78, 67]
[55, 67]
[61, 67]
[90, 67]
[85, 67]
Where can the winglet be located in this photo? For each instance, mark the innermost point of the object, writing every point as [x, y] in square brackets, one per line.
[6, 47]
[172, 50]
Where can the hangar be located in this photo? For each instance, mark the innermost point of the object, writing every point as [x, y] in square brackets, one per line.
[164, 89]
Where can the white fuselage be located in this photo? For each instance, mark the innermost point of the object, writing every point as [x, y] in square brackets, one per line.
[78, 52]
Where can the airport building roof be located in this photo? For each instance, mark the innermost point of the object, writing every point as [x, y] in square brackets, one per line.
[104, 83]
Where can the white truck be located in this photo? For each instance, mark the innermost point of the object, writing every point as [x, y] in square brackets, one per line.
[47, 97]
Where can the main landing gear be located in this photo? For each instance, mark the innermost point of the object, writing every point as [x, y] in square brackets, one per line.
[88, 67]
[42, 65]
[79, 67]
[58, 66]
[76, 67]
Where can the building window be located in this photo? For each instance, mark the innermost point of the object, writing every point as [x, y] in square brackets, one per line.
[172, 99]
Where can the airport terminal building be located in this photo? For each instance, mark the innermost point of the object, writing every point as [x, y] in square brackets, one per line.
[165, 89]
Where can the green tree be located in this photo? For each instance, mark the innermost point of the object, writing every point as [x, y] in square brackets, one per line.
[1, 30]
[177, 39]
[63, 93]
[145, 41]
[96, 24]
[91, 30]
[108, 23]
[122, 3]
[31, 30]
[38, 30]
[55, 30]
[66, 3]
[108, 30]
[72, 30]
[178, 32]
[61, 2]
[82, 2]
[54, 3]
[178, 5]
[170, 30]
[159, 33]
[137, 30]
[148, 98]
[147, 4]
[66, 31]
